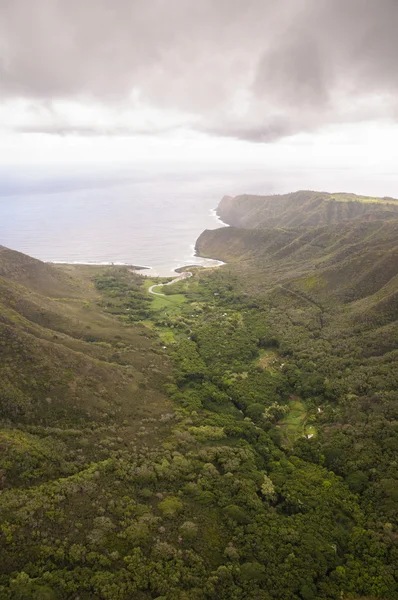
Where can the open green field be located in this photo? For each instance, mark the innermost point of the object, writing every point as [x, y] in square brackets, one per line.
[294, 425]
[363, 199]
[165, 334]
[268, 359]
[165, 311]
[165, 302]
[162, 302]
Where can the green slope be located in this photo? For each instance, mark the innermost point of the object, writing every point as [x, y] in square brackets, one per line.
[303, 208]
[330, 297]
[344, 261]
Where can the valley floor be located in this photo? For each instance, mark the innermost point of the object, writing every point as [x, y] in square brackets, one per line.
[205, 443]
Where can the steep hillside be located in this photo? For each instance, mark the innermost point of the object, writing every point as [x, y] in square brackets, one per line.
[342, 278]
[346, 261]
[329, 296]
[303, 208]
[64, 362]
[38, 276]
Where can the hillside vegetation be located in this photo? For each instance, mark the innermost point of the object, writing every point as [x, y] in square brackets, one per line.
[234, 439]
[346, 260]
[64, 360]
[329, 295]
[303, 208]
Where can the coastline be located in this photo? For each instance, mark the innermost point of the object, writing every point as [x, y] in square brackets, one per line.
[214, 213]
[202, 262]
[96, 264]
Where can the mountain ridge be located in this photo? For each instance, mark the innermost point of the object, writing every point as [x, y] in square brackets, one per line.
[302, 208]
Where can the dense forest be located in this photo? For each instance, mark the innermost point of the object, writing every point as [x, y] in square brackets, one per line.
[235, 438]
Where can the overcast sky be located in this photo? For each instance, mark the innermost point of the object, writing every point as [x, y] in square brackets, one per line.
[250, 80]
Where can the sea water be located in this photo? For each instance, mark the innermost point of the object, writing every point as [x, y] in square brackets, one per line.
[141, 215]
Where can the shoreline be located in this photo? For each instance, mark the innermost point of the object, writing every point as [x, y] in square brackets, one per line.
[96, 264]
[146, 270]
[214, 213]
[179, 271]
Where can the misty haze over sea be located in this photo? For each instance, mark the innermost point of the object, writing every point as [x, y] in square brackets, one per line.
[148, 216]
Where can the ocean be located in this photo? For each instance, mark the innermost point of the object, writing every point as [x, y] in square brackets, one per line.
[140, 215]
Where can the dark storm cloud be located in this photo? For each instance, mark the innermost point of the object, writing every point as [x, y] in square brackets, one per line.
[253, 69]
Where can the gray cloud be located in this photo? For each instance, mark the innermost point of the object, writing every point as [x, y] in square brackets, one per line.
[253, 69]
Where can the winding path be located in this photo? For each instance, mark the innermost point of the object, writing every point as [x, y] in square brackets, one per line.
[183, 275]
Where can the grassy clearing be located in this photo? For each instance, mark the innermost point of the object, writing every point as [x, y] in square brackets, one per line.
[310, 431]
[167, 301]
[163, 302]
[268, 359]
[166, 311]
[362, 199]
[148, 282]
[293, 425]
